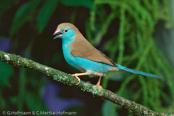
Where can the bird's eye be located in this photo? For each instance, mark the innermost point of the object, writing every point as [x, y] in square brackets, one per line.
[66, 30]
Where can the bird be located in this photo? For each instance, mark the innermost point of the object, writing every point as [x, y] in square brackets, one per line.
[82, 55]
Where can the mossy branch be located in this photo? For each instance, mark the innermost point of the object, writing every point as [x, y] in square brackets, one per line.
[67, 79]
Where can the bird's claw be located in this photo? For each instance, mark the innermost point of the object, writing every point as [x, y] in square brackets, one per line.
[74, 75]
[100, 87]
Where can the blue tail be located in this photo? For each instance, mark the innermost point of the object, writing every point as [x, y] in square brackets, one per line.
[136, 72]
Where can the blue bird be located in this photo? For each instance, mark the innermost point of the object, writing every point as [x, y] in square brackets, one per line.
[79, 53]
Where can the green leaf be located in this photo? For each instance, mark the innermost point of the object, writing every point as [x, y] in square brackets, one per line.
[108, 109]
[6, 71]
[34, 102]
[23, 14]
[45, 13]
[115, 76]
[85, 3]
[6, 4]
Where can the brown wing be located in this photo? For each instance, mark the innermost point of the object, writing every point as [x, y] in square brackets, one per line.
[82, 48]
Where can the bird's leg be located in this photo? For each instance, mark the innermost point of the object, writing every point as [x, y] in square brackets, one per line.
[98, 83]
[80, 74]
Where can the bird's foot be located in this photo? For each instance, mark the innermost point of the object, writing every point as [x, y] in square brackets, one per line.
[98, 84]
[74, 75]
[100, 87]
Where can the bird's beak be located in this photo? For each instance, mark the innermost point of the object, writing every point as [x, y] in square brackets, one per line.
[57, 33]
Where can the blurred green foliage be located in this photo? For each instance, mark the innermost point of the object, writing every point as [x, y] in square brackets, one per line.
[122, 29]
[5, 74]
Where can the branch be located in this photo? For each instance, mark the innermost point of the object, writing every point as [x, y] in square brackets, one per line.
[67, 79]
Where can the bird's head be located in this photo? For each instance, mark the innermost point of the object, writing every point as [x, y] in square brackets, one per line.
[65, 31]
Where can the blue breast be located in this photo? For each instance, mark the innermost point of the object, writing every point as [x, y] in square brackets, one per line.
[68, 56]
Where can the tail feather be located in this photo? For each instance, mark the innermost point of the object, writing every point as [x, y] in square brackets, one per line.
[137, 72]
